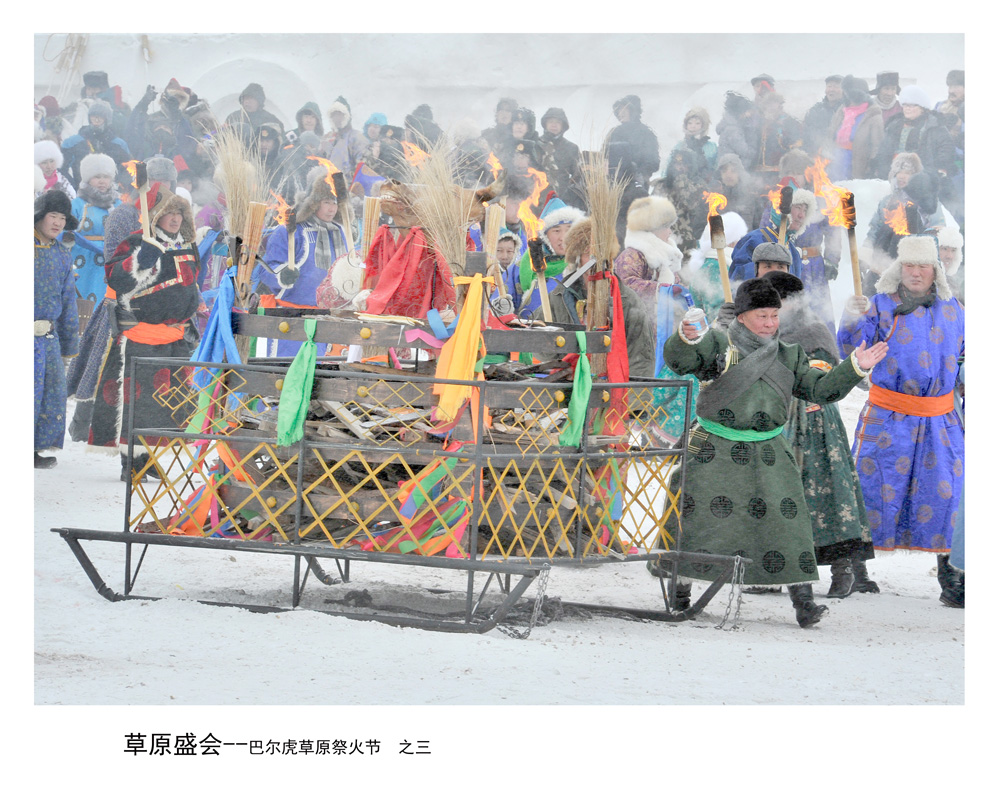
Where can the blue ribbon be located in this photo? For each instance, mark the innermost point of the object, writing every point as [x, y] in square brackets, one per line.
[440, 330]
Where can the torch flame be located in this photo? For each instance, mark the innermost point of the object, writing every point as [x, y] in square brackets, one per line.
[331, 170]
[532, 224]
[281, 209]
[836, 211]
[716, 202]
[495, 165]
[130, 166]
[414, 154]
[775, 197]
[895, 218]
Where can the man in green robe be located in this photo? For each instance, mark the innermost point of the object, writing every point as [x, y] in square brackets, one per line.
[743, 493]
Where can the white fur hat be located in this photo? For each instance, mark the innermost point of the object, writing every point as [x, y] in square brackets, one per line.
[46, 149]
[650, 214]
[917, 248]
[97, 164]
[950, 237]
[803, 197]
[915, 96]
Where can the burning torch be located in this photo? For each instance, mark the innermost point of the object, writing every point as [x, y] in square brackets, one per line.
[850, 221]
[716, 202]
[785, 208]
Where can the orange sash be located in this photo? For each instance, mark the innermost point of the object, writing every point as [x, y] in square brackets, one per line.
[911, 404]
[146, 333]
[270, 301]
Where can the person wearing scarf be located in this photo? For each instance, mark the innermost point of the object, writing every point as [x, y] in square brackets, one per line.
[96, 197]
[156, 296]
[822, 449]
[49, 159]
[742, 493]
[909, 446]
[319, 241]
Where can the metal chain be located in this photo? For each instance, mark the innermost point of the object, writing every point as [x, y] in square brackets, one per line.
[735, 588]
[543, 581]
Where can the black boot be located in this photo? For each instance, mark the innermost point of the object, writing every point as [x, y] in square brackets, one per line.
[807, 613]
[862, 583]
[683, 596]
[952, 582]
[138, 462]
[44, 462]
[842, 575]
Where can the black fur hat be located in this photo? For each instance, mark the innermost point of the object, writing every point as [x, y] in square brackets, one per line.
[784, 282]
[756, 293]
[59, 202]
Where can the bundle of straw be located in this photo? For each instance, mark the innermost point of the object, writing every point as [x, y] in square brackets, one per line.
[369, 224]
[252, 233]
[604, 197]
[444, 209]
[241, 176]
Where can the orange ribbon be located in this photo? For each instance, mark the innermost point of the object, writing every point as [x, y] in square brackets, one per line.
[910, 404]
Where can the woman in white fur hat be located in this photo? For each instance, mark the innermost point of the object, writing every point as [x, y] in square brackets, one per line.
[49, 158]
[909, 447]
[650, 257]
[97, 196]
[950, 243]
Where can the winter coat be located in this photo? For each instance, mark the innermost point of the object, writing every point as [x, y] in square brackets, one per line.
[562, 158]
[741, 198]
[865, 140]
[742, 267]
[738, 135]
[345, 148]
[776, 138]
[88, 250]
[310, 108]
[641, 145]
[816, 125]
[645, 263]
[705, 152]
[926, 136]
[91, 140]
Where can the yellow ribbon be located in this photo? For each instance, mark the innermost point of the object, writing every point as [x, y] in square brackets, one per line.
[460, 353]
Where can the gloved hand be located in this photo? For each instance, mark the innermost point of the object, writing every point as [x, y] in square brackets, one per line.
[725, 316]
[288, 276]
[857, 305]
[831, 270]
[147, 256]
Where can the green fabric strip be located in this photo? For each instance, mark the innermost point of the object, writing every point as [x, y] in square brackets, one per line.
[296, 391]
[582, 382]
[738, 436]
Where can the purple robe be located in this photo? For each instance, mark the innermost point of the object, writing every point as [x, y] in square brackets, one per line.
[911, 468]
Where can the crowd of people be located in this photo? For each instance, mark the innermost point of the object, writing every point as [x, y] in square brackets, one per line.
[773, 475]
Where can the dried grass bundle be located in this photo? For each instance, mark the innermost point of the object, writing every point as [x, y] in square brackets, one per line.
[444, 209]
[495, 215]
[369, 224]
[241, 176]
[604, 196]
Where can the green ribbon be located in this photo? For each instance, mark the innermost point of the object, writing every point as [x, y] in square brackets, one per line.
[572, 433]
[296, 391]
[738, 436]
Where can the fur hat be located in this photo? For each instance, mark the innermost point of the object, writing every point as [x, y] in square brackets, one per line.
[97, 164]
[46, 149]
[855, 90]
[556, 212]
[756, 293]
[341, 105]
[736, 103]
[100, 109]
[772, 251]
[631, 101]
[163, 201]
[578, 242]
[96, 79]
[905, 161]
[506, 104]
[698, 113]
[915, 249]
[784, 282]
[509, 234]
[309, 138]
[886, 79]
[950, 237]
[915, 96]
[55, 200]
[161, 168]
[650, 214]
[956, 78]
[306, 204]
[794, 162]
[803, 197]
[182, 93]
